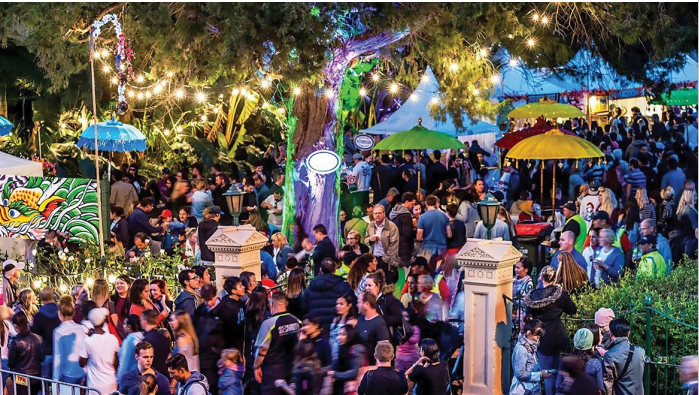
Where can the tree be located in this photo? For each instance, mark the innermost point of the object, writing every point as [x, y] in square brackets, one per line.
[312, 44]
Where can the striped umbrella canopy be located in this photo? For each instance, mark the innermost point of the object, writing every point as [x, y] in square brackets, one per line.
[113, 136]
[5, 126]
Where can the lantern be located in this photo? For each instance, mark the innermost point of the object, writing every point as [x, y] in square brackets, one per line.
[488, 210]
[234, 200]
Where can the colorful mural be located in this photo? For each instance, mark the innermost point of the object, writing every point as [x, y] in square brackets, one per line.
[30, 206]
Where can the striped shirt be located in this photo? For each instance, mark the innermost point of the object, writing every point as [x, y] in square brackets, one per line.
[636, 179]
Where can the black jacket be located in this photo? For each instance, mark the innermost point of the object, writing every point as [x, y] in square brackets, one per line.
[390, 309]
[25, 354]
[324, 249]
[215, 330]
[45, 321]
[383, 178]
[548, 305]
[321, 294]
[403, 219]
[205, 230]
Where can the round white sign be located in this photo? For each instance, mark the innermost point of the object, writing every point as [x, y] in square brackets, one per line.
[363, 142]
[323, 161]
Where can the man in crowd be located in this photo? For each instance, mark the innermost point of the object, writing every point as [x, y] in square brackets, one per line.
[131, 381]
[383, 178]
[634, 179]
[652, 264]
[575, 224]
[188, 383]
[139, 220]
[275, 346]
[623, 363]
[566, 244]
[402, 216]
[437, 172]
[152, 335]
[322, 293]
[235, 291]
[384, 379]
[206, 229]
[383, 239]
[360, 175]
[324, 247]
[187, 300]
[433, 229]
[123, 193]
[220, 187]
[371, 327]
[44, 323]
[649, 227]
[143, 245]
[390, 200]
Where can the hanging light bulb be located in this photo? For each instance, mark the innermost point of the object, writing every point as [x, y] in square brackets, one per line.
[297, 91]
[215, 110]
[535, 17]
[329, 93]
[148, 94]
[375, 77]
[235, 91]
[495, 79]
[531, 42]
[115, 80]
[425, 78]
[130, 94]
[393, 88]
[201, 97]
[170, 74]
[476, 91]
[179, 93]
[545, 20]
[513, 62]
[140, 79]
[204, 117]
[179, 129]
[105, 53]
[167, 132]
[106, 68]
[413, 97]
[157, 89]
[63, 126]
[362, 92]
[510, 36]
[163, 83]
[264, 84]
[434, 101]
[244, 92]
[139, 96]
[454, 67]
[96, 54]
[483, 52]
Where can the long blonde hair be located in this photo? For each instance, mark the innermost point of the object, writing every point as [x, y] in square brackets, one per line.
[185, 326]
[27, 301]
[100, 292]
[642, 198]
[608, 201]
[686, 203]
[569, 274]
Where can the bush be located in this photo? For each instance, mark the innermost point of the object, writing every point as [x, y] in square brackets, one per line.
[674, 295]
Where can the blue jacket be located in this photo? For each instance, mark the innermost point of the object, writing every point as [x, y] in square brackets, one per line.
[321, 295]
[231, 382]
[138, 222]
[268, 264]
[45, 321]
[282, 256]
[131, 383]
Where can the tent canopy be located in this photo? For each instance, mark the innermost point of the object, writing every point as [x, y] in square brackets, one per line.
[13, 166]
[418, 106]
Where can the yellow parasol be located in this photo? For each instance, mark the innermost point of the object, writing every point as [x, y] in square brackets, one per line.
[554, 144]
[546, 108]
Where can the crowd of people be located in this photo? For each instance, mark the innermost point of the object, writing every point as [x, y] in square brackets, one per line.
[381, 311]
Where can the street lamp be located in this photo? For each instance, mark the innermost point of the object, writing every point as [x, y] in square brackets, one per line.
[234, 201]
[488, 210]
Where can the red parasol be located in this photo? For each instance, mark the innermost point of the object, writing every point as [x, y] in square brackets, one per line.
[509, 140]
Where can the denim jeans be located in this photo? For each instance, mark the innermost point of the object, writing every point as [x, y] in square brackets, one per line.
[547, 362]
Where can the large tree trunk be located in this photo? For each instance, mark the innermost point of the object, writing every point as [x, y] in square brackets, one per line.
[316, 196]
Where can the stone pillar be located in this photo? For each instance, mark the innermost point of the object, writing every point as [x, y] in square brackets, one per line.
[488, 276]
[237, 249]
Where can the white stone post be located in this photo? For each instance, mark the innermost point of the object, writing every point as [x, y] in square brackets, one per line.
[488, 276]
[237, 249]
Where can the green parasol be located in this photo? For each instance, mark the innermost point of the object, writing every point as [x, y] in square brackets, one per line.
[547, 109]
[679, 97]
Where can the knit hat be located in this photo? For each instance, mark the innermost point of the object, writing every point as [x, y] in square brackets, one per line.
[604, 316]
[98, 316]
[583, 339]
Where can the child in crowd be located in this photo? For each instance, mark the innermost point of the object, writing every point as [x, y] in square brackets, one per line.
[231, 376]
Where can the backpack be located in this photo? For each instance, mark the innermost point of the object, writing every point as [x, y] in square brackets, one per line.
[401, 333]
[183, 390]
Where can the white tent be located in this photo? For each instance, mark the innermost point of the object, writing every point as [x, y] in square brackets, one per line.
[13, 166]
[418, 106]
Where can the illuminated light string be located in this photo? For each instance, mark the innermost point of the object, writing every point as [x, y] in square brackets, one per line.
[122, 58]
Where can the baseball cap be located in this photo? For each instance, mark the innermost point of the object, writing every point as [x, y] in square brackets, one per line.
[166, 214]
[166, 170]
[11, 264]
[357, 156]
[583, 339]
[647, 239]
[600, 214]
[216, 210]
[98, 316]
[570, 206]
[594, 186]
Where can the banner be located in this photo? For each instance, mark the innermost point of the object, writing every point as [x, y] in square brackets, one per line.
[31, 206]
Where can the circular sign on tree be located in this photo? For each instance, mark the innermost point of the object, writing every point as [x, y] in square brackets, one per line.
[323, 162]
[363, 142]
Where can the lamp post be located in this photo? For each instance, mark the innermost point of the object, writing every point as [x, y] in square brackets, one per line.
[488, 210]
[234, 201]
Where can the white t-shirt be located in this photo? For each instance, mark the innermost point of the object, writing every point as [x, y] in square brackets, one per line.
[588, 206]
[99, 351]
[362, 172]
[274, 219]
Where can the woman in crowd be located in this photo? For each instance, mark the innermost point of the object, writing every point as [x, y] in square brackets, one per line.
[607, 202]
[408, 353]
[412, 295]
[387, 305]
[120, 298]
[134, 335]
[682, 238]
[119, 228]
[179, 197]
[161, 299]
[548, 305]
[354, 246]
[446, 193]
[584, 343]
[667, 209]
[256, 311]
[281, 250]
[295, 286]
[569, 274]
[356, 278]
[139, 295]
[351, 362]
[608, 261]
[346, 310]
[646, 209]
[589, 252]
[186, 218]
[525, 364]
[7, 330]
[521, 286]
[100, 295]
[249, 281]
[26, 303]
[186, 341]
[25, 353]
[430, 375]
[468, 211]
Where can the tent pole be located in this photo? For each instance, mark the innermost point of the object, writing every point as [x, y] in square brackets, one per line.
[542, 183]
[97, 167]
[419, 161]
[553, 199]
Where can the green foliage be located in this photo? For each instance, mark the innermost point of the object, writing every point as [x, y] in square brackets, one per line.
[674, 296]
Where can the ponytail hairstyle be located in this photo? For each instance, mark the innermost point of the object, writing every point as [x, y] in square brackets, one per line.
[548, 274]
[533, 325]
[148, 384]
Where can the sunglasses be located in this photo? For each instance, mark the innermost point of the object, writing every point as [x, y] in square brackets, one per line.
[194, 278]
